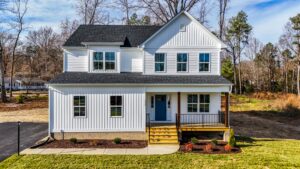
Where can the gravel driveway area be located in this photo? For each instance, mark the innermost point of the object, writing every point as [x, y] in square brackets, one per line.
[30, 133]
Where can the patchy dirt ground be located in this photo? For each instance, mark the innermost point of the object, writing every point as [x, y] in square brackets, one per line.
[27, 105]
[33, 115]
[267, 126]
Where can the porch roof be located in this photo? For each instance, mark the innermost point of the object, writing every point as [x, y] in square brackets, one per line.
[136, 78]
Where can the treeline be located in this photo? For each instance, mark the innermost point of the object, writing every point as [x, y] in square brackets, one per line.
[252, 66]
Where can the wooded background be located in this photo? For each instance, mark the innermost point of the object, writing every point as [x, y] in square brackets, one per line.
[251, 65]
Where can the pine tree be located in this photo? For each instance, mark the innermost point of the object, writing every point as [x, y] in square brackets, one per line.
[296, 26]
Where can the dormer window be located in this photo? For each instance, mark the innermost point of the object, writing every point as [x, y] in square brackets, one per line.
[182, 28]
[101, 63]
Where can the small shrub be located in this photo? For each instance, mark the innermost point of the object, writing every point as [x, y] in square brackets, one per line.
[214, 141]
[73, 140]
[227, 148]
[232, 141]
[20, 99]
[208, 148]
[188, 147]
[117, 140]
[194, 140]
[93, 143]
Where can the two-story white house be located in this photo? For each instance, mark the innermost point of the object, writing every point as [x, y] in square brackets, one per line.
[119, 79]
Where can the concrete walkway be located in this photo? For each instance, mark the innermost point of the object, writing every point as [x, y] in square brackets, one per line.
[150, 150]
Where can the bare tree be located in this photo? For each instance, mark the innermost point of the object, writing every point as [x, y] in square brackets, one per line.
[44, 46]
[164, 10]
[252, 49]
[67, 28]
[204, 10]
[223, 7]
[126, 7]
[91, 12]
[19, 10]
[3, 91]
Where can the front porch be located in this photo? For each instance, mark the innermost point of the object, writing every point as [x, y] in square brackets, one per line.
[169, 130]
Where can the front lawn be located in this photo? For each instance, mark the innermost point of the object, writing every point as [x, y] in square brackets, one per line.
[264, 153]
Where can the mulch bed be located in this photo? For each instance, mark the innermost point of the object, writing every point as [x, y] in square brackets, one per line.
[218, 149]
[95, 144]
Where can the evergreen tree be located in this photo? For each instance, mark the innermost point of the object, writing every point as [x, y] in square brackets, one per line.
[227, 69]
[237, 36]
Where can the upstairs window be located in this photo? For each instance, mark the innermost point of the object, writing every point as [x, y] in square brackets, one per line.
[204, 62]
[79, 106]
[160, 62]
[116, 106]
[110, 61]
[98, 60]
[104, 63]
[182, 59]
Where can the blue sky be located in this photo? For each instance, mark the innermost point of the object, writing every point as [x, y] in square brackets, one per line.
[267, 17]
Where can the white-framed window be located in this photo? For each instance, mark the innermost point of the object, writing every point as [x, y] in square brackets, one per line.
[182, 62]
[98, 61]
[182, 28]
[198, 103]
[110, 61]
[104, 61]
[116, 106]
[204, 62]
[79, 106]
[192, 103]
[160, 59]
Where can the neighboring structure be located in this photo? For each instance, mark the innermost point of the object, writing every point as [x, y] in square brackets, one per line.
[119, 79]
[21, 83]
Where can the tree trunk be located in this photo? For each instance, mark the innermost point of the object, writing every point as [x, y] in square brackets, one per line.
[3, 91]
[298, 85]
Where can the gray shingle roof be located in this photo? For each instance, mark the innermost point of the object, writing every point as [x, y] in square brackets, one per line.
[135, 78]
[131, 35]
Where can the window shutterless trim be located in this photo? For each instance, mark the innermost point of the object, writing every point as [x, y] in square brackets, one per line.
[104, 62]
[187, 63]
[121, 106]
[209, 62]
[73, 106]
[164, 62]
[198, 103]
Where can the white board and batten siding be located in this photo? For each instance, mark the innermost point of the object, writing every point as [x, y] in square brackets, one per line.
[98, 117]
[193, 41]
[80, 60]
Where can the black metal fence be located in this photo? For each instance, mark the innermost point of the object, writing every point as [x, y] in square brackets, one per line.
[201, 120]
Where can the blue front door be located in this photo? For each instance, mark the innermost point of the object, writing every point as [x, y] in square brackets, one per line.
[160, 107]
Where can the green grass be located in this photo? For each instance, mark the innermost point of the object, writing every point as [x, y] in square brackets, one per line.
[242, 103]
[265, 153]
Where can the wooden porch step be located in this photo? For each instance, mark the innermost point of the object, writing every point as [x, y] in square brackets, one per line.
[163, 137]
[163, 141]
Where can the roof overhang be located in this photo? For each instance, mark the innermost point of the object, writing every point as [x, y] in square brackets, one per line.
[102, 43]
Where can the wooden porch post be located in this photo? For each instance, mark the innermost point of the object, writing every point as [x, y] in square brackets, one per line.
[178, 109]
[226, 109]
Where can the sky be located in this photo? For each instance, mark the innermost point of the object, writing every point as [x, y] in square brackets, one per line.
[267, 17]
